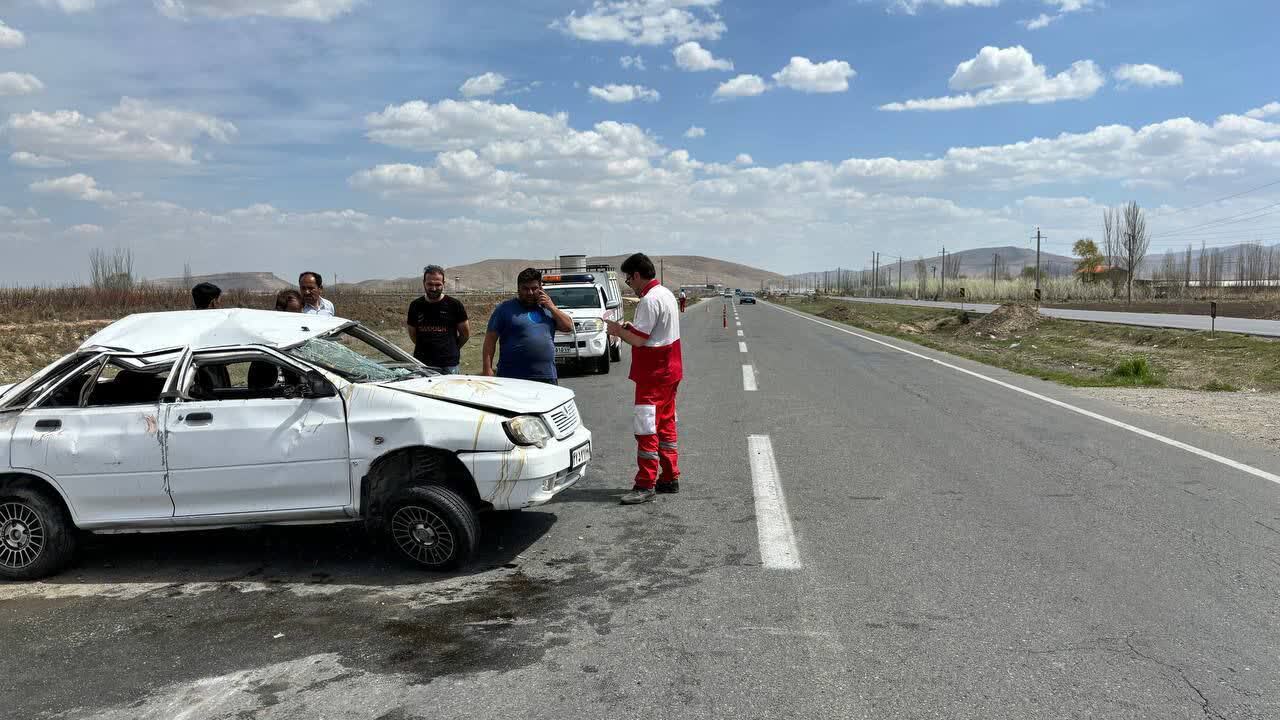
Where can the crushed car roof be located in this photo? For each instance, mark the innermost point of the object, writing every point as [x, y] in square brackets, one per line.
[198, 329]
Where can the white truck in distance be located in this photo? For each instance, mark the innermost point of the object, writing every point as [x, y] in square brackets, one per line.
[589, 295]
[224, 418]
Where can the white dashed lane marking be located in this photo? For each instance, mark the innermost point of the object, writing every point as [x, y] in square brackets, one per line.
[773, 524]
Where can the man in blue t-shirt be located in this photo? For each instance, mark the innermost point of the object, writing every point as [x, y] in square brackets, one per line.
[526, 327]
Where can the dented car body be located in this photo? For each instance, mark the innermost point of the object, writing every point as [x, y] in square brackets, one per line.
[215, 418]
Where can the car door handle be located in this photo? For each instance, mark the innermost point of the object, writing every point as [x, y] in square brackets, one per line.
[199, 418]
[48, 424]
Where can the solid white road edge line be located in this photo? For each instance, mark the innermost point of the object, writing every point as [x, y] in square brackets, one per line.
[748, 378]
[1065, 406]
[742, 347]
[773, 524]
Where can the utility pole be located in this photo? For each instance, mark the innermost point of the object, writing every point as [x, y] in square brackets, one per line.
[944, 272]
[1038, 266]
[899, 276]
[663, 273]
[995, 261]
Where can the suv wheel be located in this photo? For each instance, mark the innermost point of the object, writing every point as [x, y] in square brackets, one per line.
[432, 527]
[615, 352]
[36, 538]
[602, 364]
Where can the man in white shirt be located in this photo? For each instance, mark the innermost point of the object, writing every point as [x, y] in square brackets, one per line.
[311, 285]
[656, 368]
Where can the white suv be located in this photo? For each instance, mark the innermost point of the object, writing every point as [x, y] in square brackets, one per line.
[589, 298]
[220, 418]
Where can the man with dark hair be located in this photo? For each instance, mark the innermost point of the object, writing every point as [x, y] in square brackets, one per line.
[526, 326]
[656, 369]
[206, 296]
[437, 324]
[311, 285]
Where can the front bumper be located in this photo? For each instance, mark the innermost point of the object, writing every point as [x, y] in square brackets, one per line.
[525, 477]
[590, 345]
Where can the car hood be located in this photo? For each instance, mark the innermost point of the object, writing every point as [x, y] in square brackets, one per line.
[505, 395]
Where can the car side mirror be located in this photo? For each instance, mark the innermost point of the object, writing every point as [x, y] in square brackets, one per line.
[314, 385]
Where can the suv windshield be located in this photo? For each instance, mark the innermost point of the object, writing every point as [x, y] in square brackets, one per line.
[574, 297]
[359, 356]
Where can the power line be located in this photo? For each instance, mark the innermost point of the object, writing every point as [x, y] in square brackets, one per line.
[1218, 200]
[1224, 220]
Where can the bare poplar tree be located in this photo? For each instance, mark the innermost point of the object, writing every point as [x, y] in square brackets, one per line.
[1134, 243]
[922, 278]
[111, 270]
[1202, 267]
[1112, 226]
[1186, 271]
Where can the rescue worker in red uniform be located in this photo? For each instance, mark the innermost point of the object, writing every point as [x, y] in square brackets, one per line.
[656, 369]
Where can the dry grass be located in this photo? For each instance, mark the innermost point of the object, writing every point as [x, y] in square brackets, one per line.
[1078, 353]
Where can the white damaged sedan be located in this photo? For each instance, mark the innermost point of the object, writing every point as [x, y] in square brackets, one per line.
[224, 418]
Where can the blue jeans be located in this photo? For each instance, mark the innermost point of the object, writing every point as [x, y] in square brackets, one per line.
[451, 370]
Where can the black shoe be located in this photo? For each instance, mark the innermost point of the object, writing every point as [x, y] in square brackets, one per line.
[668, 487]
[638, 496]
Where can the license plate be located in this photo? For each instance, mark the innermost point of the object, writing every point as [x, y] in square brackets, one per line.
[562, 351]
[580, 455]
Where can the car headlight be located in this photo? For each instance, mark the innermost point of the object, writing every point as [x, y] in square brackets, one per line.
[527, 430]
[589, 325]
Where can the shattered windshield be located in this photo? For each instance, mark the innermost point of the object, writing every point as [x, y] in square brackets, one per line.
[359, 356]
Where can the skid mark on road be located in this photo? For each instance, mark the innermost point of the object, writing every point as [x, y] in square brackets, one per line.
[773, 523]
[1065, 406]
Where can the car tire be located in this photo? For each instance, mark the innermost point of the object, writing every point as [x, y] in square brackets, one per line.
[432, 527]
[615, 352]
[37, 538]
[602, 364]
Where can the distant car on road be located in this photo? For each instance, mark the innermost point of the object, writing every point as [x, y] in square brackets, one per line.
[224, 418]
[747, 299]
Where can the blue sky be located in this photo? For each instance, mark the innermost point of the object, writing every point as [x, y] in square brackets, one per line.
[271, 134]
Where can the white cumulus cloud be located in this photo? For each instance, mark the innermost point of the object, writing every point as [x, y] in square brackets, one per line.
[1010, 75]
[744, 160]
[12, 83]
[1266, 111]
[1146, 75]
[134, 130]
[911, 7]
[806, 76]
[629, 62]
[645, 22]
[741, 86]
[79, 186]
[486, 84]
[70, 6]
[11, 37]
[1063, 7]
[693, 57]
[624, 93]
[695, 132]
[85, 229]
[31, 160]
[313, 10]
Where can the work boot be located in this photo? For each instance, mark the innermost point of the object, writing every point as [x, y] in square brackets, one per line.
[637, 496]
[668, 487]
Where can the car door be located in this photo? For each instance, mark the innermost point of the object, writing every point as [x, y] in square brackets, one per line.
[97, 434]
[253, 445]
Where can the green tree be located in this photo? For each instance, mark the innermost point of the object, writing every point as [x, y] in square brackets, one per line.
[1090, 256]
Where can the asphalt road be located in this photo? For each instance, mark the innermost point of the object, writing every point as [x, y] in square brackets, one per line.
[1245, 326]
[942, 547]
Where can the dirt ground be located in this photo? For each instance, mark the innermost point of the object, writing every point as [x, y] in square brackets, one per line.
[1250, 415]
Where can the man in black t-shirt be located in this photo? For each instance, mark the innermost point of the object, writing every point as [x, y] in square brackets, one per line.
[437, 324]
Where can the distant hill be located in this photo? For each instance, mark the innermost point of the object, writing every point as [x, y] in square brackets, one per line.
[250, 281]
[500, 275]
[975, 263]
